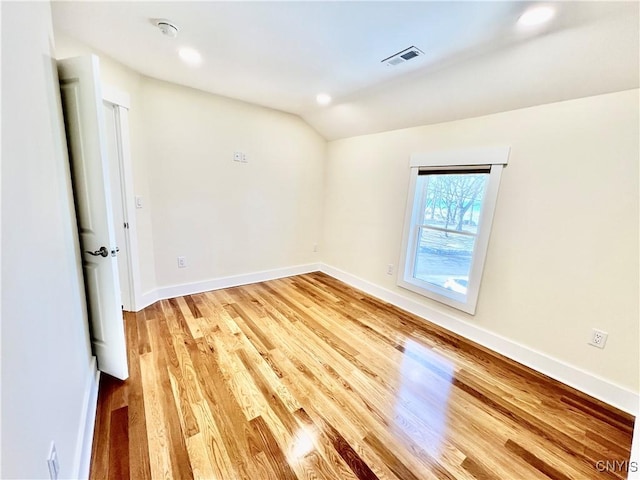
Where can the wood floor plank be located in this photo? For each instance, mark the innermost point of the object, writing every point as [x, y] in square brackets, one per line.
[541, 465]
[199, 458]
[138, 443]
[231, 422]
[274, 455]
[237, 378]
[171, 416]
[168, 357]
[143, 335]
[214, 445]
[195, 311]
[100, 447]
[326, 446]
[477, 470]
[119, 444]
[187, 313]
[264, 467]
[308, 378]
[173, 307]
[346, 451]
[157, 435]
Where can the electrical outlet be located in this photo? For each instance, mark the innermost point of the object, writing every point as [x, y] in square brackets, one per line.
[53, 463]
[598, 338]
[240, 157]
[315, 247]
[182, 262]
[390, 269]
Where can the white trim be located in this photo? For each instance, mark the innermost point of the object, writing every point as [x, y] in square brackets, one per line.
[471, 156]
[173, 291]
[588, 383]
[146, 299]
[130, 209]
[121, 102]
[116, 96]
[411, 230]
[82, 460]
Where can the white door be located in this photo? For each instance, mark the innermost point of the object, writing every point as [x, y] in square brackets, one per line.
[86, 138]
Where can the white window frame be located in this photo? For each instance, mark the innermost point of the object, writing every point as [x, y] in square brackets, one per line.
[494, 157]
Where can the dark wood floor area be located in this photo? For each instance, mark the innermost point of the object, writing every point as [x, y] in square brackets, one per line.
[307, 378]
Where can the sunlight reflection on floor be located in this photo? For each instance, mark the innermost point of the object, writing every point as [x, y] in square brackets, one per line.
[423, 397]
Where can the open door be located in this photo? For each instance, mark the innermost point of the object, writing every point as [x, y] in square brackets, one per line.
[86, 139]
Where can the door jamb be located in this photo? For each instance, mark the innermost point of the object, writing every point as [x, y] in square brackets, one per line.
[121, 102]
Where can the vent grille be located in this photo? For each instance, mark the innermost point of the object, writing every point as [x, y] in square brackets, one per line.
[402, 56]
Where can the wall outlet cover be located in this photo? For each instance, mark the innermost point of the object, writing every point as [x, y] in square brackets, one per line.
[598, 338]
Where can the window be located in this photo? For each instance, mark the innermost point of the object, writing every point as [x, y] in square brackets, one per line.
[452, 196]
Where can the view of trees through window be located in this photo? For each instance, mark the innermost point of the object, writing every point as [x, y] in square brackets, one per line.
[451, 203]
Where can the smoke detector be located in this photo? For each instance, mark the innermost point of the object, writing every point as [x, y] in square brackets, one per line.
[402, 56]
[166, 27]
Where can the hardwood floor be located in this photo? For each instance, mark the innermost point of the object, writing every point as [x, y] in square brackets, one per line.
[307, 378]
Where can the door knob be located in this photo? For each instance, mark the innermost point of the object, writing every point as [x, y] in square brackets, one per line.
[103, 252]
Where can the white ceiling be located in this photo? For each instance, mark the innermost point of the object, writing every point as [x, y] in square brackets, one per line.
[281, 54]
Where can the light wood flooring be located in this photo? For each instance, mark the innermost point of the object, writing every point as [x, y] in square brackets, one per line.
[307, 378]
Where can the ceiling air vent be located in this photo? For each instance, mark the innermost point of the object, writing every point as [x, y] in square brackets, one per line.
[403, 56]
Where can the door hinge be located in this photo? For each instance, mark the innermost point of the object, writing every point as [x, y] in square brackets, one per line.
[126, 224]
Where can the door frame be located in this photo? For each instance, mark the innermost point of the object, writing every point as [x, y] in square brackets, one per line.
[121, 102]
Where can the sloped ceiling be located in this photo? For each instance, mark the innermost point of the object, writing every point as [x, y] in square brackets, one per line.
[281, 54]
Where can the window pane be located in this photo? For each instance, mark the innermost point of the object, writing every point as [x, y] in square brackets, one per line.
[444, 259]
[452, 201]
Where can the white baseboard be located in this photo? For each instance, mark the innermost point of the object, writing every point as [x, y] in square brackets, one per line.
[173, 291]
[82, 461]
[146, 299]
[588, 383]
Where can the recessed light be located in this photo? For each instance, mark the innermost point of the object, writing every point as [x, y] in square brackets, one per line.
[190, 56]
[323, 99]
[536, 16]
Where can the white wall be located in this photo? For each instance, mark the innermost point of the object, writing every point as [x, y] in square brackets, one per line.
[46, 356]
[229, 218]
[563, 254]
